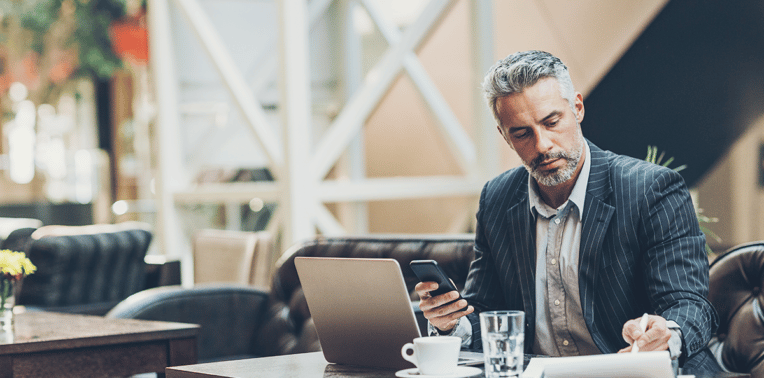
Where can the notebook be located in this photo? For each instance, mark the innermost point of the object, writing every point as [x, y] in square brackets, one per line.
[616, 365]
[361, 310]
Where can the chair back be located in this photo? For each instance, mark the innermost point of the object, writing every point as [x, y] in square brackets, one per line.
[85, 269]
[8, 225]
[736, 280]
[229, 315]
[232, 256]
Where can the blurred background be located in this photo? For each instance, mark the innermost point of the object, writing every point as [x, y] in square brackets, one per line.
[330, 117]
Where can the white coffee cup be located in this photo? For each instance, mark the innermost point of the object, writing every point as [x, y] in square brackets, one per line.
[433, 355]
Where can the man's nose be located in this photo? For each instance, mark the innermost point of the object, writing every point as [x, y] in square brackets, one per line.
[543, 141]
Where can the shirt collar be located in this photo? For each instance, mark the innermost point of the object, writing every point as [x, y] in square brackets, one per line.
[577, 196]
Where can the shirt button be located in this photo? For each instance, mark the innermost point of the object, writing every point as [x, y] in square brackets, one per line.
[557, 303]
[554, 261]
[565, 342]
[557, 221]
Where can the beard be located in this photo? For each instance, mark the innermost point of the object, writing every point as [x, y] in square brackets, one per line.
[559, 175]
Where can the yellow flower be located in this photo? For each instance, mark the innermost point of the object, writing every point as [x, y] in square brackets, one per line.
[15, 265]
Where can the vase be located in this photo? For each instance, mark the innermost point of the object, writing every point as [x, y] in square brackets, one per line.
[7, 302]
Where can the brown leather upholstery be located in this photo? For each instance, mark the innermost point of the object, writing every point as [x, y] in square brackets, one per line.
[289, 329]
[283, 324]
[736, 279]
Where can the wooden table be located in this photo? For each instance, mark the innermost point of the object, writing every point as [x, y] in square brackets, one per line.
[307, 365]
[47, 344]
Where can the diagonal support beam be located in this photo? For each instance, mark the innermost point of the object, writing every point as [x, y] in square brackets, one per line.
[265, 71]
[458, 140]
[326, 222]
[350, 121]
[234, 81]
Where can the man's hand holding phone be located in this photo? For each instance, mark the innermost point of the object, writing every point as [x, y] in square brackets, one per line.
[441, 309]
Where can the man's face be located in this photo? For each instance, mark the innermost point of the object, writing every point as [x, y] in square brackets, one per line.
[540, 125]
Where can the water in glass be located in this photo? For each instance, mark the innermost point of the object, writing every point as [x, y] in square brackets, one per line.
[503, 341]
[504, 354]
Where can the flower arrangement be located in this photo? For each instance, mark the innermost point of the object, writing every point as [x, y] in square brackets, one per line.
[13, 267]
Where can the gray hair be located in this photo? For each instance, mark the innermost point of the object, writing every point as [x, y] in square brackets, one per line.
[522, 70]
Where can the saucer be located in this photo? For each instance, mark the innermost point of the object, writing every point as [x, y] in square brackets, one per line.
[461, 371]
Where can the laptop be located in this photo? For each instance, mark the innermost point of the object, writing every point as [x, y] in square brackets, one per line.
[361, 310]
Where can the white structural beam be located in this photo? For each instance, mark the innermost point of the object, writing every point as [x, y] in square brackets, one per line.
[352, 117]
[482, 60]
[459, 142]
[240, 192]
[265, 71]
[397, 188]
[234, 81]
[171, 175]
[326, 223]
[296, 115]
[356, 213]
[300, 166]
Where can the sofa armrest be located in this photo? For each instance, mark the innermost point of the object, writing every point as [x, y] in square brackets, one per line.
[229, 315]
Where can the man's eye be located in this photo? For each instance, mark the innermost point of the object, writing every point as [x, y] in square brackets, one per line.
[553, 123]
[520, 134]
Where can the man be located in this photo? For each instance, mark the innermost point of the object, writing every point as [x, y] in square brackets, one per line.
[583, 240]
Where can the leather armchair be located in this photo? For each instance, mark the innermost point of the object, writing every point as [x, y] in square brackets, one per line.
[228, 314]
[736, 280]
[278, 322]
[82, 269]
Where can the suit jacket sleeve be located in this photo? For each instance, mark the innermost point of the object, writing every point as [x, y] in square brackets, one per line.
[676, 267]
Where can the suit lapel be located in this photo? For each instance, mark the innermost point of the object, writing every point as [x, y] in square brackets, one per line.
[523, 247]
[596, 218]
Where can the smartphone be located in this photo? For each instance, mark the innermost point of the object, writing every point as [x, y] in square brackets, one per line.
[428, 270]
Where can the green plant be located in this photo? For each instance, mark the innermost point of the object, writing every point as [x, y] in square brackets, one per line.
[86, 27]
[653, 157]
[51, 45]
[703, 220]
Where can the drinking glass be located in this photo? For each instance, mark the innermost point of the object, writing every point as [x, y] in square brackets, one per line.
[503, 335]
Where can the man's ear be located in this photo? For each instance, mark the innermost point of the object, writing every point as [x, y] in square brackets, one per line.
[578, 102]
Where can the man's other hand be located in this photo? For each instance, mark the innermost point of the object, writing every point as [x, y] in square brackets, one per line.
[655, 337]
[441, 315]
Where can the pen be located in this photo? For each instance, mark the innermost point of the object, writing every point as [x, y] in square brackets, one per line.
[643, 327]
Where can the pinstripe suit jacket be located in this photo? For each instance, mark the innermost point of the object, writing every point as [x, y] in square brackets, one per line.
[641, 251]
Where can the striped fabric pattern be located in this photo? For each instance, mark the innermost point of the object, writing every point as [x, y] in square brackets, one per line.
[641, 251]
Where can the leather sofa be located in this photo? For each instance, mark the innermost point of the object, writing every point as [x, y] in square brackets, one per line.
[736, 281]
[82, 269]
[244, 321]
